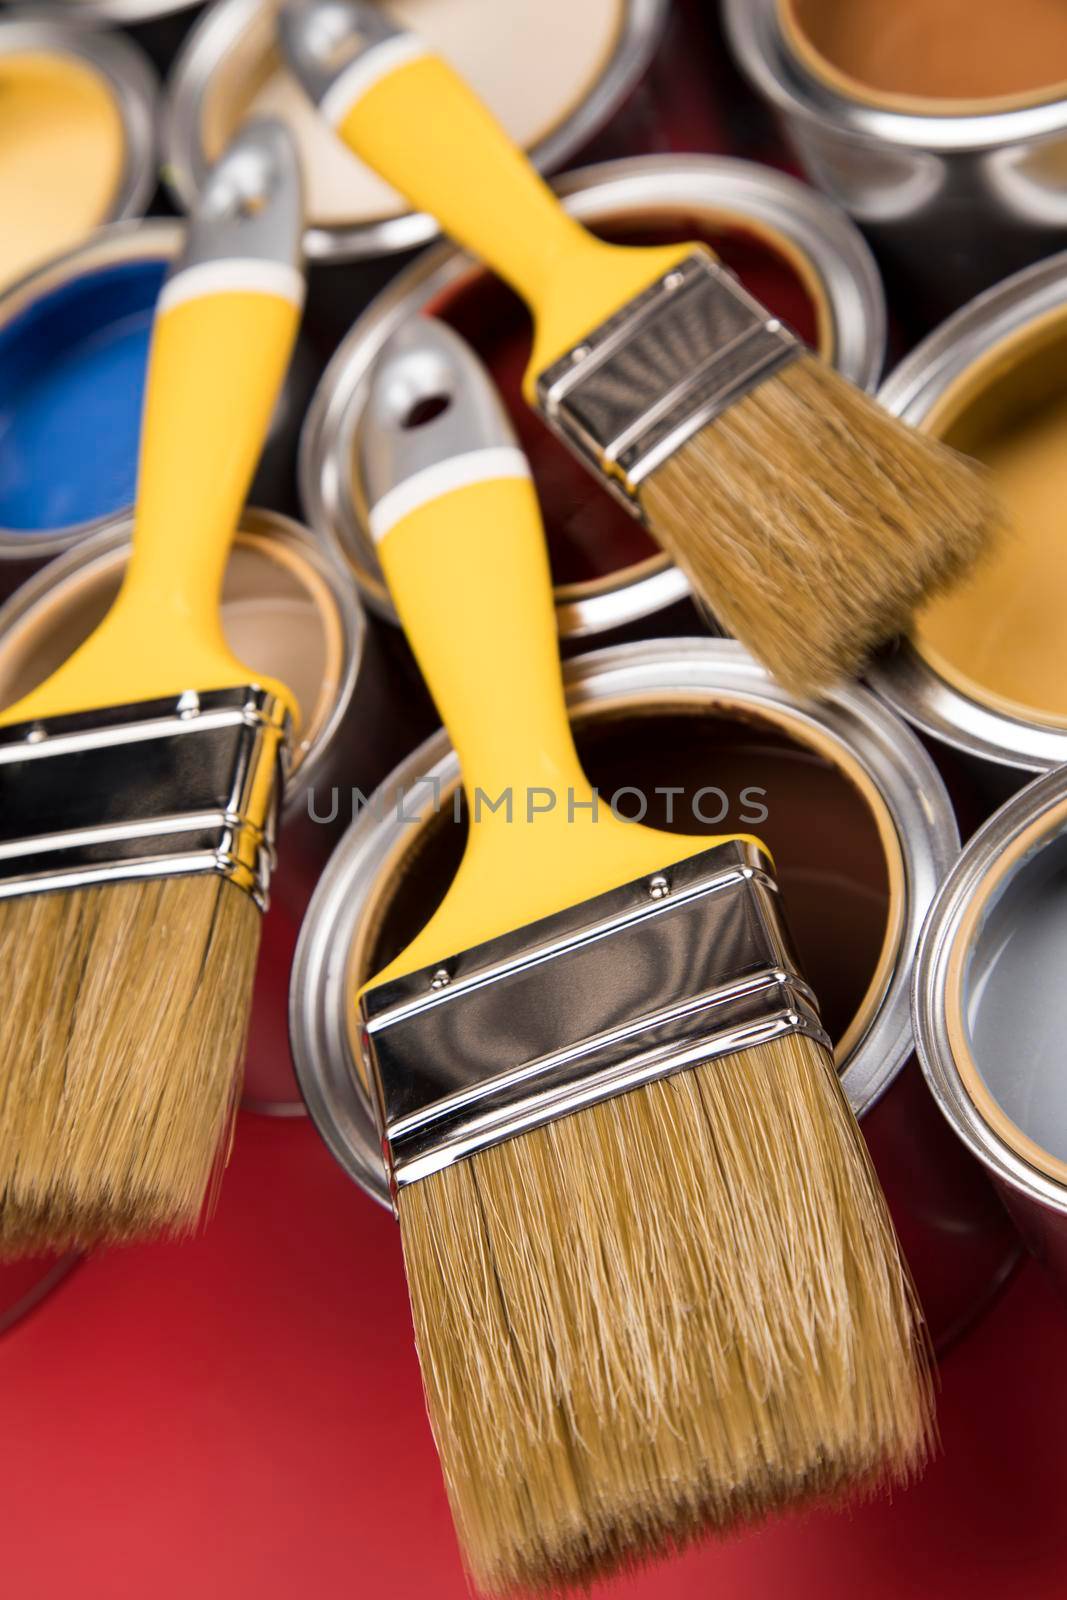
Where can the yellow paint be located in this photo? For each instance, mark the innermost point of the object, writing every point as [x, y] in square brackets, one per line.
[62, 151]
[1002, 636]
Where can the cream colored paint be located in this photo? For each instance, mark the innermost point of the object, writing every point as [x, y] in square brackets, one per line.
[533, 61]
[62, 153]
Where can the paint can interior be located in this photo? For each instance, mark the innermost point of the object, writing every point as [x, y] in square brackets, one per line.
[989, 1008]
[861, 831]
[77, 138]
[286, 612]
[952, 54]
[74, 340]
[986, 665]
[795, 253]
[553, 72]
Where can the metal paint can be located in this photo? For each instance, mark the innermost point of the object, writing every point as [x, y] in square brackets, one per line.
[287, 611]
[862, 832]
[954, 197]
[786, 243]
[988, 1009]
[229, 67]
[993, 362]
[74, 342]
[130, 88]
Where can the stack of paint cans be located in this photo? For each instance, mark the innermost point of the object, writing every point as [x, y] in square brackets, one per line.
[887, 159]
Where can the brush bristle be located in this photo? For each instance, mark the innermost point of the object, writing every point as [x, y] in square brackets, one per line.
[122, 1036]
[671, 1313]
[813, 523]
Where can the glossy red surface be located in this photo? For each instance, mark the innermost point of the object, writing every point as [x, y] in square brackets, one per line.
[241, 1417]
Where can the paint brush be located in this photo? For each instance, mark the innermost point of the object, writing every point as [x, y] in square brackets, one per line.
[139, 784]
[809, 521]
[655, 1287]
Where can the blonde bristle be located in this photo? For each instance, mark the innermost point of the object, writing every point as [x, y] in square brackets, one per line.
[121, 1038]
[814, 524]
[671, 1313]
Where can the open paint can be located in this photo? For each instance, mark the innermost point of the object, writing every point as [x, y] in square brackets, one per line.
[693, 734]
[989, 1008]
[796, 253]
[554, 72]
[940, 125]
[77, 138]
[985, 669]
[287, 612]
[74, 339]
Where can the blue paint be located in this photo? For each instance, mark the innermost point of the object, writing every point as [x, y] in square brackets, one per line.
[72, 372]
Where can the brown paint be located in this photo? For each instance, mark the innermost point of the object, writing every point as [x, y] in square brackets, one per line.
[999, 637]
[590, 536]
[829, 848]
[953, 52]
[278, 616]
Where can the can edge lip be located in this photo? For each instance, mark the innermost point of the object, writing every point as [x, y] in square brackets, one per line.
[821, 230]
[319, 962]
[114, 532]
[933, 1048]
[644, 24]
[902, 676]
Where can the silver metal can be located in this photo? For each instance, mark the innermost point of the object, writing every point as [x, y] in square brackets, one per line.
[97, 295]
[988, 1011]
[291, 613]
[230, 58]
[953, 200]
[776, 232]
[999, 354]
[862, 832]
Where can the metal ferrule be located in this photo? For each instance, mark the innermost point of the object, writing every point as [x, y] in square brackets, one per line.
[660, 370]
[660, 975]
[158, 788]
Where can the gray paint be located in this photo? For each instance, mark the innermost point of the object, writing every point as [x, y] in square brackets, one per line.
[1016, 997]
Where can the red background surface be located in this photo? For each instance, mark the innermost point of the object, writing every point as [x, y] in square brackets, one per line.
[241, 1416]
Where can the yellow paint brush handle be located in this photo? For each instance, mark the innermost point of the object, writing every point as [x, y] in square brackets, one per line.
[412, 118]
[458, 531]
[224, 331]
[459, 536]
